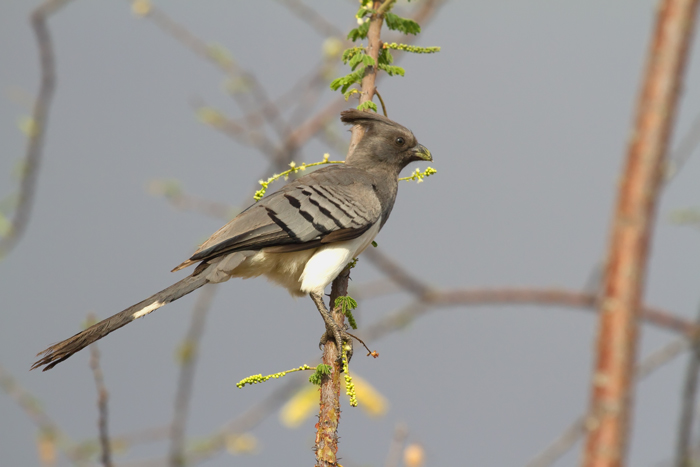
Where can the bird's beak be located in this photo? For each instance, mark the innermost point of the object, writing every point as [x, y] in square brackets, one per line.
[421, 153]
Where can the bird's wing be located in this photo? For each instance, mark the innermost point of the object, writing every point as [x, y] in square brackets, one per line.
[330, 205]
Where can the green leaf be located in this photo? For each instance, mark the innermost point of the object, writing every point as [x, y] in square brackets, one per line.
[405, 25]
[355, 60]
[367, 105]
[348, 80]
[321, 370]
[347, 304]
[392, 70]
[362, 12]
[359, 32]
[367, 60]
[385, 57]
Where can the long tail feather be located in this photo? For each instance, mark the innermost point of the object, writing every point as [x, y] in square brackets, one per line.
[63, 350]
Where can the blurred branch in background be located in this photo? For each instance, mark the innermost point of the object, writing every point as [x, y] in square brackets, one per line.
[585, 423]
[611, 389]
[50, 436]
[684, 454]
[36, 128]
[187, 357]
[102, 400]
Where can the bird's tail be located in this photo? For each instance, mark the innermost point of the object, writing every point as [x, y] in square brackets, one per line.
[63, 350]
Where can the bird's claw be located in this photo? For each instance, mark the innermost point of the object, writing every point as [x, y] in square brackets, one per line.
[340, 338]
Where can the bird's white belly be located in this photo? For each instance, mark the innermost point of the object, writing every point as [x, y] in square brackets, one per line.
[300, 272]
[329, 260]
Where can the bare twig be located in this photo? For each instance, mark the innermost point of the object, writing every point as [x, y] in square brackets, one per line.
[685, 149]
[514, 296]
[37, 129]
[393, 457]
[317, 22]
[188, 361]
[32, 408]
[611, 391]
[579, 427]
[102, 401]
[397, 273]
[685, 424]
[382, 102]
[267, 108]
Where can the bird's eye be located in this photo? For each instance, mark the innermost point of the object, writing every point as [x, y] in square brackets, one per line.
[400, 141]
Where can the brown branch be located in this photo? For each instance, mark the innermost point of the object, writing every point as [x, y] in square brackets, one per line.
[326, 444]
[579, 427]
[188, 361]
[611, 391]
[514, 296]
[37, 129]
[102, 401]
[374, 45]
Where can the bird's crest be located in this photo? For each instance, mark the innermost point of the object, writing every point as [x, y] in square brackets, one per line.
[358, 117]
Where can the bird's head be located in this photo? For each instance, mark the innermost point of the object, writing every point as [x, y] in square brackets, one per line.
[385, 142]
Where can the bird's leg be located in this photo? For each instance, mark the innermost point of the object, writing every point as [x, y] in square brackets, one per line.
[332, 328]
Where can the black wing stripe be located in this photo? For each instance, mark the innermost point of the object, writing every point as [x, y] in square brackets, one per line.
[336, 201]
[326, 213]
[280, 223]
[333, 202]
[306, 215]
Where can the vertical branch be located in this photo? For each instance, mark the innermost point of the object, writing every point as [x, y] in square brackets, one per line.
[685, 424]
[611, 394]
[329, 411]
[326, 444]
[374, 44]
[102, 399]
[37, 129]
[188, 360]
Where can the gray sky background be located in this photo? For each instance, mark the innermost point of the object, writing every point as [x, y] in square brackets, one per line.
[526, 110]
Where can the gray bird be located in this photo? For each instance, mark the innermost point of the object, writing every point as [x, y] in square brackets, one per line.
[300, 237]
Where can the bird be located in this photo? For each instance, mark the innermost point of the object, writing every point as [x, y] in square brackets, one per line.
[300, 237]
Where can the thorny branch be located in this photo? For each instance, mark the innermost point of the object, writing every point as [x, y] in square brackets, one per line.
[611, 390]
[37, 129]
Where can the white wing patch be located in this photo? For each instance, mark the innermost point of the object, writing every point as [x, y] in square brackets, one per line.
[329, 260]
[146, 310]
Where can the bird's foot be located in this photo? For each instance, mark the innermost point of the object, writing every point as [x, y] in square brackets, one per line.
[334, 332]
[341, 339]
